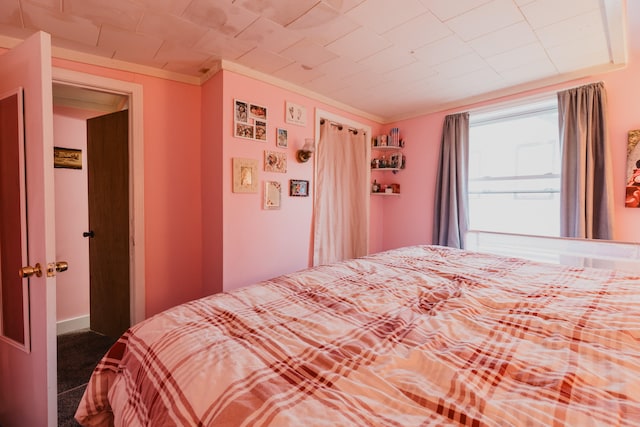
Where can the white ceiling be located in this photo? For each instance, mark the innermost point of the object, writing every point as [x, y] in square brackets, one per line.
[388, 59]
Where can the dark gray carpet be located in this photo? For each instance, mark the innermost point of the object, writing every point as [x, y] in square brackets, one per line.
[78, 354]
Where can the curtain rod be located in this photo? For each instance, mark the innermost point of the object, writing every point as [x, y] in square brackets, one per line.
[494, 104]
[340, 126]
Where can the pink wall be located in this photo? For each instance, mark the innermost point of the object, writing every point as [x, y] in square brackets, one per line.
[258, 243]
[408, 218]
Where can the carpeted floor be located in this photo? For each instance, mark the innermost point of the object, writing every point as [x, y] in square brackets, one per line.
[78, 354]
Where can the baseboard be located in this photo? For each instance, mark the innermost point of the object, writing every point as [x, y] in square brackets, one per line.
[70, 325]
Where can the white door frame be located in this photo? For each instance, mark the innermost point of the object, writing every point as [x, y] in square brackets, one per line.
[136, 175]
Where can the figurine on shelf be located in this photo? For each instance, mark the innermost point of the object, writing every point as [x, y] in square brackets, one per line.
[375, 187]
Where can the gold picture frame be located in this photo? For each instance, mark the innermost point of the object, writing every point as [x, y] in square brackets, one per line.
[67, 158]
[245, 175]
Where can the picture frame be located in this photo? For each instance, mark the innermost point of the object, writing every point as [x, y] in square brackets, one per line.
[249, 121]
[67, 158]
[258, 112]
[298, 188]
[275, 161]
[295, 113]
[245, 175]
[272, 194]
[632, 190]
[282, 138]
[241, 111]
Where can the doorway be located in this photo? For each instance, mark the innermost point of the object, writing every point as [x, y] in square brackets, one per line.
[92, 212]
[84, 91]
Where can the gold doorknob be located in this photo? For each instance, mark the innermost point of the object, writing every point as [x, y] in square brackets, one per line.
[62, 266]
[29, 271]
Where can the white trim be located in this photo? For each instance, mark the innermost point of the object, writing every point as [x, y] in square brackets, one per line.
[71, 325]
[136, 175]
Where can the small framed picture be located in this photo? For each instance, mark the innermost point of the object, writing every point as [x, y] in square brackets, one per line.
[295, 114]
[282, 138]
[245, 175]
[261, 130]
[275, 161]
[258, 112]
[298, 188]
[241, 111]
[244, 130]
[272, 194]
[69, 158]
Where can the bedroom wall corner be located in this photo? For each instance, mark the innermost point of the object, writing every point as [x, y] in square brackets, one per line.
[212, 184]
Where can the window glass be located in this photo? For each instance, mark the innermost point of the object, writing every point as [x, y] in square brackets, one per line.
[514, 170]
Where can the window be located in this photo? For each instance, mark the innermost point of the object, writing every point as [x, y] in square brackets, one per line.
[514, 170]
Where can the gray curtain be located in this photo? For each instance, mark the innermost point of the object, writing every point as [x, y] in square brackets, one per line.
[451, 217]
[586, 193]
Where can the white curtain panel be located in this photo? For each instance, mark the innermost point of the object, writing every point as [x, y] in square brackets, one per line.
[340, 223]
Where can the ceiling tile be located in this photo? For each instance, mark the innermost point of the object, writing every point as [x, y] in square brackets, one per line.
[411, 73]
[442, 50]
[537, 13]
[531, 70]
[180, 60]
[129, 46]
[170, 27]
[573, 29]
[283, 12]
[308, 53]
[10, 13]
[318, 15]
[53, 5]
[174, 7]
[118, 13]
[263, 60]
[447, 9]
[222, 16]
[330, 31]
[417, 32]
[268, 35]
[579, 54]
[485, 19]
[461, 65]
[358, 44]
[297, 73]
[214, 44]
[379, 17]
[504, 40]
[341, 67]
[59, 25]
[388, 59]
[522, 55]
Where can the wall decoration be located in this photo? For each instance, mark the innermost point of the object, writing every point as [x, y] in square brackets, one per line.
[68, 158]
[272, 194]
[250, 121]
[245, 175]
[275, 161]
[295, 114]
[298, 188]
[282, 140]
[632, 195]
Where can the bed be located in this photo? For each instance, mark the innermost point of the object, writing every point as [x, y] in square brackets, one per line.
[417, 336]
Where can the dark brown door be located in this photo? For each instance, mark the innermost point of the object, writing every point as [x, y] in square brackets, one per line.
[108, 176]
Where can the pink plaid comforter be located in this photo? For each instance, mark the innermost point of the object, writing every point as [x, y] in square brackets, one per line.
[411, 337]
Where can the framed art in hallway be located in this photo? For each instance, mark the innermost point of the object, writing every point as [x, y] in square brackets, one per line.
[272, 194]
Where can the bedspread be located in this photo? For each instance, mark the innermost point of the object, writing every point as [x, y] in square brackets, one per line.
[417, 336]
